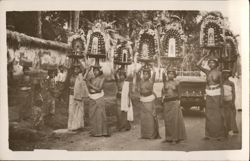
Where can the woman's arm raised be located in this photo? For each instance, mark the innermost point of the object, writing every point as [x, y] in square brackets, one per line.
[199, 64]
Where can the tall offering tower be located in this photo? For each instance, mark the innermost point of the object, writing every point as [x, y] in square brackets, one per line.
[172, 43]
[148, 45]
[217, 39]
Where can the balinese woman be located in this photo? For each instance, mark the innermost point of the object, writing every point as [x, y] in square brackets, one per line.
[97, 113]
[229, 103]
[149, 121]
[122, 118]
[174, 125]
[78, 91]
[214, 127]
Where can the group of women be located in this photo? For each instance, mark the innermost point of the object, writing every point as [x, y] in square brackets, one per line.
[220, 101]
[174, 124]
[220, 110]
[173, 119]
[83, 86]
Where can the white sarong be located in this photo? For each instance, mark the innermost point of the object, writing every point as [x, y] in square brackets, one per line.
[125, 100]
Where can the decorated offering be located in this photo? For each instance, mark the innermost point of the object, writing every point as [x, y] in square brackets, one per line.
[78, 44]
[211, 34]
[172, 43]
[172, 39]
[148, 46]
[123, 54]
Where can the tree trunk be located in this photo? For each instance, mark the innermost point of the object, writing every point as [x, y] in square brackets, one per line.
[76, 20]
[39, 24]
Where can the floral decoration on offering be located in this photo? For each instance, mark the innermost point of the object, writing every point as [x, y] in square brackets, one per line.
[148, 46]
[77, 42]
[97, 39]
[211, 34]
[96, 46]
[173, 38]
[123, 54]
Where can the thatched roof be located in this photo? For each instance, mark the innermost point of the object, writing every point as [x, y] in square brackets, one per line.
[21, 39]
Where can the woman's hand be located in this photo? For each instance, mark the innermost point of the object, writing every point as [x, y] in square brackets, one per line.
[199, 64]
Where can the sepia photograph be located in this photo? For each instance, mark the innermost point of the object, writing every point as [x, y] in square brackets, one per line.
[113, 80]
[124, 80]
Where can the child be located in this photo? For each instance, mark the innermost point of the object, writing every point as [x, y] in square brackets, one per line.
[228, 103]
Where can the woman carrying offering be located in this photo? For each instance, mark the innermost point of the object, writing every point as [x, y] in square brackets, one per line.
[78, 91]
[97, 112]
[214, 127]
[149, 121]
[122, 109]
[174, 124]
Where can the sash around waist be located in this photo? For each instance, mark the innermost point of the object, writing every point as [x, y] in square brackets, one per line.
[170, 99]
[213, 92]
[146, 94]
[149, 98]
[95, 96]
[213, 87]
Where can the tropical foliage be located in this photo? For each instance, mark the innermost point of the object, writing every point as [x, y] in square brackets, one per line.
[57, 25]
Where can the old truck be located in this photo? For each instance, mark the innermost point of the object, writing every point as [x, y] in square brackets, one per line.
[192, 91]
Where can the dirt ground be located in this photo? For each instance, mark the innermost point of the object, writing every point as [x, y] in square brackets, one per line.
[24, 138]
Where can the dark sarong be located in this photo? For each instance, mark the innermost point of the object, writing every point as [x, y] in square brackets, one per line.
[122, 122]
[174, 123]
[149, 121]
[214, 127]
[98, 118]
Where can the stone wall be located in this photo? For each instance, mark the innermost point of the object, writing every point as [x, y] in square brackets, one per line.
[23, 48]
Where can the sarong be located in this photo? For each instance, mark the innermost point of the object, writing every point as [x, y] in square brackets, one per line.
[149, 121]
[98, 118]
[174, 123]
[76, 114]
[229, 112]
[214, 127]
[122, 122]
